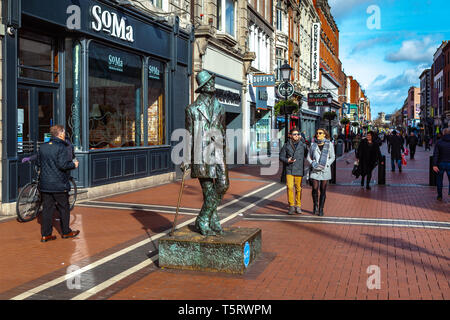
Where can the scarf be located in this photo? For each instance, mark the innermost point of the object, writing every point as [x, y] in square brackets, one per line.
[323, 156]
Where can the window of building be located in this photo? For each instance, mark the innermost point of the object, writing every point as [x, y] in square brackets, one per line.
[115, 98]
[279, 20]
[156, 3]
[155, 109]
[226, 16]
[38, 57]
[279, 61]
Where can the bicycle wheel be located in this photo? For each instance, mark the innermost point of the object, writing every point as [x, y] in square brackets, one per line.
[28, 202]
[72, 193]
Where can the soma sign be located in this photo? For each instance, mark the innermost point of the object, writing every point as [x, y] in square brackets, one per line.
[110, 22]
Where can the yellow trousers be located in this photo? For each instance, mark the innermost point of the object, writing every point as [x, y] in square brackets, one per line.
[290, 182]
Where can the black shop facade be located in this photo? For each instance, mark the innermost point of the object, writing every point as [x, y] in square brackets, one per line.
[117, 79]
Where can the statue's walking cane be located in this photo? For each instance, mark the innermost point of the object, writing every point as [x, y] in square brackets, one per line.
[178, 204]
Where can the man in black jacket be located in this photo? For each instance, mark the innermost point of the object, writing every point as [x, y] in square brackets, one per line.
[54, 183]
[293, 154]
[412, 141]
[441, 161]
[395, 148]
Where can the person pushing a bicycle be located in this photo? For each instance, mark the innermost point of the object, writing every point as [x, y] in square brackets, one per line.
[55, 166]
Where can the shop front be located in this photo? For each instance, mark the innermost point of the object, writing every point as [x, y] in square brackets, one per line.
[261, 101]
[108, 77]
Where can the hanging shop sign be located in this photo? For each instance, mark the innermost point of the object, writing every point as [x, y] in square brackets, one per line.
[315, 52]
[263, 80]
[261, 98]
[285, 90]
[319, 99]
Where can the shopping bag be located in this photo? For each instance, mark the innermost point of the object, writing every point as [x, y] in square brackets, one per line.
[403, 160]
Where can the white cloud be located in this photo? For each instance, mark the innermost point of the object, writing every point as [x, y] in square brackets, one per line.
[417, 51]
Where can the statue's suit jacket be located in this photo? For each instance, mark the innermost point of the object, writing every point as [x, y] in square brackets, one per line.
[205, 124]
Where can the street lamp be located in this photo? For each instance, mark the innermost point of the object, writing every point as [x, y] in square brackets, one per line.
[286, 70]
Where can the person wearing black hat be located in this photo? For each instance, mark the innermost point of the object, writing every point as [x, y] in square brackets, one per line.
[205, 122]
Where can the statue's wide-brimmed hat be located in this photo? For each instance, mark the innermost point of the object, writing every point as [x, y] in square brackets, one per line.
[202, 78]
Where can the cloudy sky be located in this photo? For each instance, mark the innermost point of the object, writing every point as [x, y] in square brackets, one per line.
[386, 44]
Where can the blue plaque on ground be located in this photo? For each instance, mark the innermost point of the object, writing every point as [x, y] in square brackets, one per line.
[246, 254]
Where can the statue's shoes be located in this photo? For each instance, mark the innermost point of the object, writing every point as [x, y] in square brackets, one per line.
[204, 229]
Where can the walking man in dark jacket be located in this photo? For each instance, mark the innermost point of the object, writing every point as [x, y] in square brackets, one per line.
[54, 183]
[293, 154]
[395, 148]
[441, 161]
[412, 141]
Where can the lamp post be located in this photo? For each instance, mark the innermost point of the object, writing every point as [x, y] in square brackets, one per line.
[286, 70]
[330, 99]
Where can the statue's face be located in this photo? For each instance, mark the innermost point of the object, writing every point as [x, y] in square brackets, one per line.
[209, 87]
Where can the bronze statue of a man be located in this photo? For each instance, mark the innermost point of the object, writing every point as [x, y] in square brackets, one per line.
[205, 122]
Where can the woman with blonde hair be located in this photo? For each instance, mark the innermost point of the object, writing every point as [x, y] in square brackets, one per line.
[320, 156]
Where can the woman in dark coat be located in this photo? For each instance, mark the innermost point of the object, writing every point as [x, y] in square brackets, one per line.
[369, 156]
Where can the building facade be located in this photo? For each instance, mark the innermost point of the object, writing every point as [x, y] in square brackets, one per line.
[330, 66]
[221, 48]
[437, 88]
[260, 95]
[107, 72]
[413, 102]
[425, 102]
[446, 95]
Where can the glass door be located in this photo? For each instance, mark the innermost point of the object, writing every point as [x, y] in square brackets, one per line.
[35, 116]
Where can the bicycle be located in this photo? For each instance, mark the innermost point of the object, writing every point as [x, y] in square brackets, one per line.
[29, 204]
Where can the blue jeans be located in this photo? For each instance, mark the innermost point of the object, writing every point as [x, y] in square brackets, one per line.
[443, 167]
[399, 164]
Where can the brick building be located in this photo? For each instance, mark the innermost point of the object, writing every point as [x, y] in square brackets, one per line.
[446, 71]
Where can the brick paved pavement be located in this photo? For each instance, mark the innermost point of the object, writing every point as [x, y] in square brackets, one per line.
[303, 257]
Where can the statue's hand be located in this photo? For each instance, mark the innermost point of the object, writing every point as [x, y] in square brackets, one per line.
[184, 167]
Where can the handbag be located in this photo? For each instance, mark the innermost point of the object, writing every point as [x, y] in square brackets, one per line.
[356, 169]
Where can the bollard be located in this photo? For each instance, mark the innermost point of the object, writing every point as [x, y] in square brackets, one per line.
[382, 171]
[431, 174]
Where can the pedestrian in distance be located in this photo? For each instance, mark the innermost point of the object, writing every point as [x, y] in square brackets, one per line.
[54, 183]
[441, 161]
[320, 157]
[396, 148]
[412, 142]
[427, 142]
[356, 141]
[368, 155]
[293, 154]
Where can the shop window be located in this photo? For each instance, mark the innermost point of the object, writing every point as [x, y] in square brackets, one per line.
[115, 98]
[155, 109]
[38, 57]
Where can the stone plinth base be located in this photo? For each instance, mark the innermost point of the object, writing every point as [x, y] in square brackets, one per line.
[232, 252]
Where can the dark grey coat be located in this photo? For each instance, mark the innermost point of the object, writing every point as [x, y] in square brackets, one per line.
[299, 153]
[395, 147]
